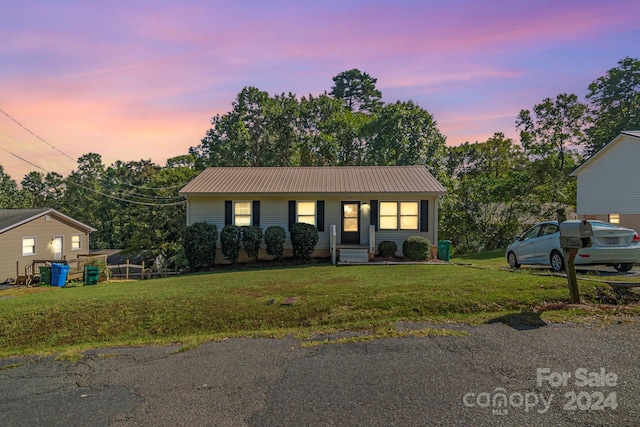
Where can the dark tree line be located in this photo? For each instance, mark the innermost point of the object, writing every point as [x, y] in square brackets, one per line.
[350, 125]
[493, 186]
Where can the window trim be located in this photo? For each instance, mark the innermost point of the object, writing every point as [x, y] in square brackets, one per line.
[381, 216]
[416, 216]
[398, 216]
[249, 215]
[35, 245]
[79, 236]
[314, 215]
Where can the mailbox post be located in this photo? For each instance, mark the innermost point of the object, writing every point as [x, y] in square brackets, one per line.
[574, 235]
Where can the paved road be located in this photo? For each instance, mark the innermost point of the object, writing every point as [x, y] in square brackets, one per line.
[550, 375]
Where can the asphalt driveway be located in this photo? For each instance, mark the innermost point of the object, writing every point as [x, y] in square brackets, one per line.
[553, 374]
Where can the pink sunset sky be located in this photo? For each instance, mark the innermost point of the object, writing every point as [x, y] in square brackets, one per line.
[141, 79]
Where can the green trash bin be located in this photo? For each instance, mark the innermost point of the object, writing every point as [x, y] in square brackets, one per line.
[444, 250]
[90, 276]
[45, 276]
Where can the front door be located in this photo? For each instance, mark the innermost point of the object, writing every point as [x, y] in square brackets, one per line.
[350, 223]
[57, 248]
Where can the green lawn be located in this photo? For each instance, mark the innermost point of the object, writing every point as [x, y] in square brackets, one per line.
[195, 308]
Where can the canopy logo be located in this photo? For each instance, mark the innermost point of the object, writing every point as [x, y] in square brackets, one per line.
[588, 395]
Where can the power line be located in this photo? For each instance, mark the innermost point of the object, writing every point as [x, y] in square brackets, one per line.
[24, 160]
[32, 133]
[96, 191]
[128, 201]
[69, 157]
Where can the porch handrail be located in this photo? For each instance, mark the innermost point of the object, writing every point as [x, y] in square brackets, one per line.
[372, 239]
[333, 243]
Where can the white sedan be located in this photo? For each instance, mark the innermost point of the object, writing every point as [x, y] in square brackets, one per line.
[611, 244]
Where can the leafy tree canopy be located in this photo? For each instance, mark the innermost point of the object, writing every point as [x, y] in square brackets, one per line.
[615, 103]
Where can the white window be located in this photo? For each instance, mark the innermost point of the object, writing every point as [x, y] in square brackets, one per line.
[76, 240]
[614, 218]
[408, 215]
[28, 246]
[306, 212]
[388, 216]
[242, 213]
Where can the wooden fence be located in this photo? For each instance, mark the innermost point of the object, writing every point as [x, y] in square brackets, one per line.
[128, 271]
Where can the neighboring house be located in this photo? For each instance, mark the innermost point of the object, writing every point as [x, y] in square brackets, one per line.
[609, 182]
[27, 235]
[363, 204]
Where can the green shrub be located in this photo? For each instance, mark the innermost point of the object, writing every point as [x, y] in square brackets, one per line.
[251, 238]
[199, 245]
[304, 238]
[274, 238]
[387, 248]
[230, 238]
[416, 248]
[179, 260]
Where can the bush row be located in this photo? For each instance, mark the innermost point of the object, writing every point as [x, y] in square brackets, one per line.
[415, 248]
[200, 242]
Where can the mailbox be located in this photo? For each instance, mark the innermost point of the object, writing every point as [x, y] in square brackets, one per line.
[575, 234]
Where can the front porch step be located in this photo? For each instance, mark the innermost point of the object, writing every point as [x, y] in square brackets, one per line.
[353, 255]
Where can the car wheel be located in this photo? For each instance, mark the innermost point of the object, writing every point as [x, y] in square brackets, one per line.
[623, 267]
[513, 261]
[557, 261]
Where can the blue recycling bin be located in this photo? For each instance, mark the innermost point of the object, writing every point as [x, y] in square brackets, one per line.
[59, 273]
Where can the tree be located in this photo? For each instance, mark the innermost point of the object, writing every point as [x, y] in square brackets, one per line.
[489, 193]
[34, 183]
[357, 90]
[405, 134]
[259, 131]
[56, 185]
[615, 103]
[153, 229]
[82, 198]
[318, 118]
[548, 136]
[553, 128]
[10, 196]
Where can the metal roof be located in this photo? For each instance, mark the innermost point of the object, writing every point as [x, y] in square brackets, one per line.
[334, 179]
[11, 218]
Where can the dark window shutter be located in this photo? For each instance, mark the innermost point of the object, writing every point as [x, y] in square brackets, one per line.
[320, 215]
[228, 212]
[373, 220]
[292, 213]
[256, 212]
[424, 215]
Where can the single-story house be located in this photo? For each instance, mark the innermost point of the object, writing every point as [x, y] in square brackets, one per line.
[609, 182]
[353, 207]
[27, 235]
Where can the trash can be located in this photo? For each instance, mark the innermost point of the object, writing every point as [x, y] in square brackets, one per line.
[59, 273]
[90, 276]
[444, 250]
[45, 276]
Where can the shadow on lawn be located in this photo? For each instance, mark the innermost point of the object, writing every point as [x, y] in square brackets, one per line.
[524, 321]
